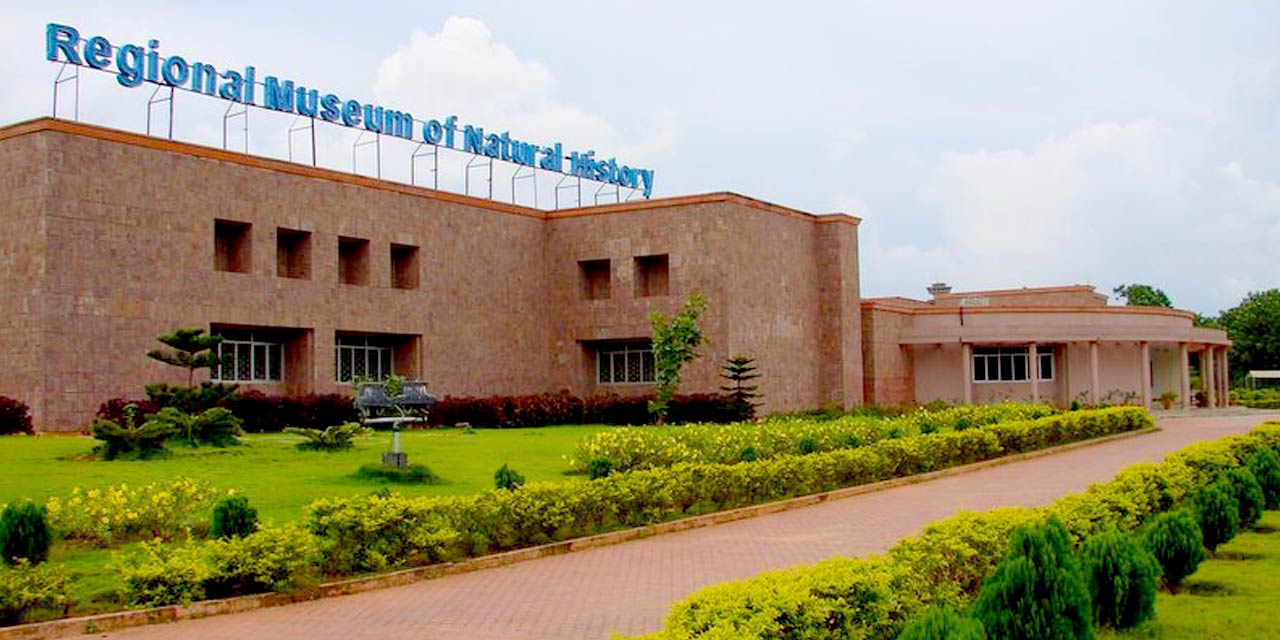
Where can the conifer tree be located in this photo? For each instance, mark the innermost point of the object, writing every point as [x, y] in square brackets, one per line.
[190, 349]
[739, 370]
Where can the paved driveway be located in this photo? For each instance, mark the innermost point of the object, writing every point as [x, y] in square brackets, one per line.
[629, 587]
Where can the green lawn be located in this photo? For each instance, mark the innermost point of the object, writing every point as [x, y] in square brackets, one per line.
[1236, 594]
[278, 479]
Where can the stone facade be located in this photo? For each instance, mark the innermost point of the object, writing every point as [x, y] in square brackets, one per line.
[108, 239]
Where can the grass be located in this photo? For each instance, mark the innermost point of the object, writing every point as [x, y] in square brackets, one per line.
[1235, 594]
[278, 479]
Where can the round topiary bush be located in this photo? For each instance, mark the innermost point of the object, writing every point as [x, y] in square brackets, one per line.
[1218, 513]
[1265, 465]
[24, 533]
[943, 623]
[1122, 577]
[1175, 540]
[1248, 494]
[233, 517]
[1037, 590]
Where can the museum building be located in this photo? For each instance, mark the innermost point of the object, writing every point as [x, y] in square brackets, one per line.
[317, 277]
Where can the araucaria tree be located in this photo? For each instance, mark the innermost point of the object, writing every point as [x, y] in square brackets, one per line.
[675, 344]
[739, 370]
[190, 349]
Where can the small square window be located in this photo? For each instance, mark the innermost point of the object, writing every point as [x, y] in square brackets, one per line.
[232, 246]
[404, 266]
[653, 275]
[293, 254]
[353, 261]
[595, 279]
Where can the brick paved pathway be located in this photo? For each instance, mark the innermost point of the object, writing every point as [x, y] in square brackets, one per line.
[629, 587]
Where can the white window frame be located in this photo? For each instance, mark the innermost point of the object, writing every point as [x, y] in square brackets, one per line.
[259, 350]
[370, 349]
[625, 355]
[1004, 363]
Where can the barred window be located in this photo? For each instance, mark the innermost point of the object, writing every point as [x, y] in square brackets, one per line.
[624, 364]
[362, 358]
[1009, 364]
[249, 357]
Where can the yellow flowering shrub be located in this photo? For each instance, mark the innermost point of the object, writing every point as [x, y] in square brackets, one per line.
[632, 448]
[117, 514]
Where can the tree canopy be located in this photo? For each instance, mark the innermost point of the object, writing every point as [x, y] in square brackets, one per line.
[1254, 328]
[1142, 295]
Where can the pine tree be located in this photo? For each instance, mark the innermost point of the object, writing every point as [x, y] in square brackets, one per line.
[739, 370]
[191, 350]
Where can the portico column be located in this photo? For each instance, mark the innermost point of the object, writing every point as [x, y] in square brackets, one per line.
[1094, 392]
[1226, 377]
[1034, 366]
[1185, 358]
[1208, 375]
[966, 363]
[1145, 374]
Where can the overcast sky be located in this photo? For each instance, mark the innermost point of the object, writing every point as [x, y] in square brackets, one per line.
[984, 144]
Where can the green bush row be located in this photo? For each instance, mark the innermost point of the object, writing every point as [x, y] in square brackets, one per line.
[379, 531]
[946, 564]
[628, 449]
[163, 573]
[1257, 398]
[25, 588]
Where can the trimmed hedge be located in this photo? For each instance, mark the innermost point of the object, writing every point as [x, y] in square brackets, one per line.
[510, 412]
[631, 449]
[377, 531]
[940, 565]
[264, 413]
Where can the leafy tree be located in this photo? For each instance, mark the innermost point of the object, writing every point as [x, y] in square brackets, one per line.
[1254, 327]
[1142, 295]
[739, 370]
[190, 349]
[675, 344]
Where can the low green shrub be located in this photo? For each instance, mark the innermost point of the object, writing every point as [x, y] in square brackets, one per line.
[1037, 591]
[1122, 576]
[507, 478]
[269, 559]
[948, 555]
[25, 588]
[129, 439]
[943, 623]
[1265, 465]
[1175, 541]
[1257, 398]
[412, 474]
[1248, 494]
[161, 573]
[380, 531]
[335, 438]
[599, 468]
[543, 512]
[24, 533]
[233, 517]
[214, 427]
[1218, 513]
[117, 514]
[272, 558]
[630, 449]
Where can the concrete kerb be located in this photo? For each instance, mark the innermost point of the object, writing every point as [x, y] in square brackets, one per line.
[125, 619]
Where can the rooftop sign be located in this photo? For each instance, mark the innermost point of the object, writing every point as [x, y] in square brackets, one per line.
[134, 64]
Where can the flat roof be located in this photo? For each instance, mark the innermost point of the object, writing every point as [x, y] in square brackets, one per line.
[283, 166]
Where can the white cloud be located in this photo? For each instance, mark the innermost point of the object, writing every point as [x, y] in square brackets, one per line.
[462, 70]
[1103, 204]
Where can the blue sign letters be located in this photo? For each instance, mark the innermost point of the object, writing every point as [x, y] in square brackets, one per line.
[135, 65]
